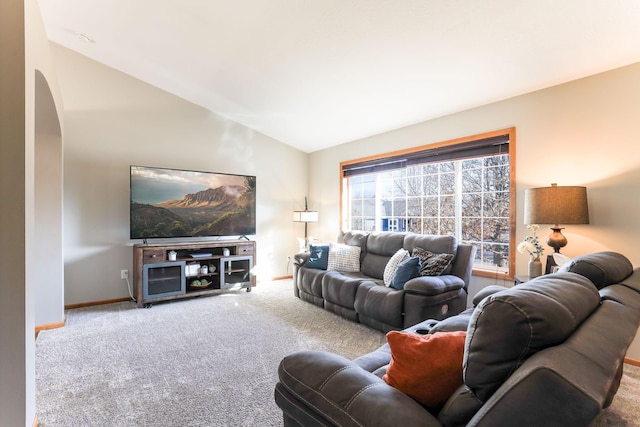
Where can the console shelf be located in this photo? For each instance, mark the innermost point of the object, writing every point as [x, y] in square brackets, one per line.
[163, 272]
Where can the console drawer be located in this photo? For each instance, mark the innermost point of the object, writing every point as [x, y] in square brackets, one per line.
[152, 255]
[245, 250]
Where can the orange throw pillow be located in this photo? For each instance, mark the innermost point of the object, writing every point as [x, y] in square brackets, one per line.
[426, 367]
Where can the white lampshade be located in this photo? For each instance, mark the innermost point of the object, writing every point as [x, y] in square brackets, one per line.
[305, 216]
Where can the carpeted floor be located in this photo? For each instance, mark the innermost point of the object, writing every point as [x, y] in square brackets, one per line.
[201, 362]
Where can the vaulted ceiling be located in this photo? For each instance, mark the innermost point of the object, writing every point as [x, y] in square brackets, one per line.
[317, 73]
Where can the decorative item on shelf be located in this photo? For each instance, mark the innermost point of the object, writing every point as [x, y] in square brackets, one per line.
[172, 255]
[192, 270]
[556, 205]
[305, 216]
[204, 269]
[535, 267]
[199, 284]
[530, 245]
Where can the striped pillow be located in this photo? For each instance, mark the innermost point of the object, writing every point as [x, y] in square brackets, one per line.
[392, 265]
[343, 258]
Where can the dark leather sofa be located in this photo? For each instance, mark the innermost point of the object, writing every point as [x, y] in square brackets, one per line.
[549, 352]
[362, 297]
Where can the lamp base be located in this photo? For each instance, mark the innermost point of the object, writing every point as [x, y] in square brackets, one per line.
[556, 239]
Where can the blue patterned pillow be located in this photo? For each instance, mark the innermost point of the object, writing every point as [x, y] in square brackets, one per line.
[318, 257]
[407, 270]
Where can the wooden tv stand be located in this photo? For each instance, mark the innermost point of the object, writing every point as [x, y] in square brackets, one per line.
[159, 277]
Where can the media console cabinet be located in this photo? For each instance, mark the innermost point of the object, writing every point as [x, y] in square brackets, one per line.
[163, 272]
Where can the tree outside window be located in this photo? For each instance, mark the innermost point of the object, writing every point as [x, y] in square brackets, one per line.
[469, 198]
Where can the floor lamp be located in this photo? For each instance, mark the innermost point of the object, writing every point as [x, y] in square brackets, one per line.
[305, 216]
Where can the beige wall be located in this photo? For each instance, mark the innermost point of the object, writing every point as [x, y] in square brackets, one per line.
[23, 50]
[582, 133]
[113, 121]
[47, 272]
[16, 350]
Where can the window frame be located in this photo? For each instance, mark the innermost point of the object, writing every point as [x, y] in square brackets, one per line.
[511, 132]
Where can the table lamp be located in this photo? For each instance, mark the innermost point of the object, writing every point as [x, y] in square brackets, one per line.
[556, 205]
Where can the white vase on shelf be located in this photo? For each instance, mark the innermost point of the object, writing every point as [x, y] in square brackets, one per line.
[535, 267]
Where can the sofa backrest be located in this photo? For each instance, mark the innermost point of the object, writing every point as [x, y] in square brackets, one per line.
[508, 327]
[433, 243]
[380, 248]
[570, 383]
[602, 268]
[355, 238]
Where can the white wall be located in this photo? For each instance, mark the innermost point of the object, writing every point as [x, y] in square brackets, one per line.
[582, 133]
[113, 121]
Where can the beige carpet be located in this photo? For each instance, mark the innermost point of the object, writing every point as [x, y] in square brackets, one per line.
[202, 362]
[625, 409]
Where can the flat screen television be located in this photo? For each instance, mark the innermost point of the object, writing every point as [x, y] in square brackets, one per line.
[167, 203]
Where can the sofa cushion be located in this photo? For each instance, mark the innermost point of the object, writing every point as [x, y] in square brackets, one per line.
[318, 257]
[379, 306]
[432, 264]
[309, 284]
[509, 326]
[426, 367]
[339, 293]
[391, 267]
[602, 268]
[343, 257]
[407, 270]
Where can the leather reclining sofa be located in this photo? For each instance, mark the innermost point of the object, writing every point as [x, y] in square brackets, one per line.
[547, 352]
[361, 296]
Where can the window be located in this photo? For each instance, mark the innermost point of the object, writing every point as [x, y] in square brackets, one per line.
[461, 188]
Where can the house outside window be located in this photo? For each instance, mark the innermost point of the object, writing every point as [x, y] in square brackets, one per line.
[463, 188]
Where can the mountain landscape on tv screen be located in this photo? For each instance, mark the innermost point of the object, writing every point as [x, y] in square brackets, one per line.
[223, 211]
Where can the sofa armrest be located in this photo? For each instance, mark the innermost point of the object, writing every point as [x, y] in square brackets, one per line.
[433, 285]
[539, 392]
[329, 387]
[485, 292]
[462, 265]
[301, 258]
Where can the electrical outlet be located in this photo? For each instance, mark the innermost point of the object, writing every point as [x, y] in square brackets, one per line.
[124, 274]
